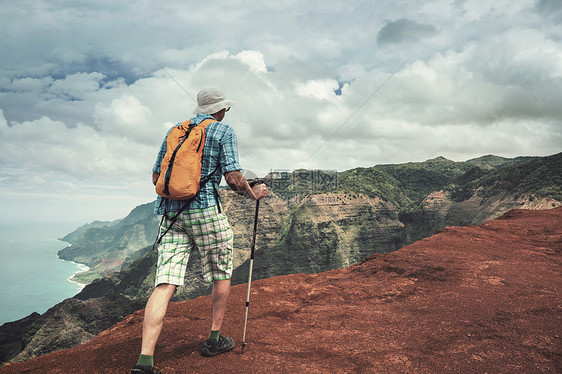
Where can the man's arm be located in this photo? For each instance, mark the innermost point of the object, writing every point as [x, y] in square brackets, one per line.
[237, 182]
[240, 185]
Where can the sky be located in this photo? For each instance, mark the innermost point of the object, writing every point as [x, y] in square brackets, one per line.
[89, 88]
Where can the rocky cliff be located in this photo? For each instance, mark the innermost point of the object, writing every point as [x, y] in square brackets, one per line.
[304, 230]
[344, 217]
[469, 299]
[70, 323]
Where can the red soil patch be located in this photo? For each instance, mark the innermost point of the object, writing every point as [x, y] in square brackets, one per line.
[468, 300]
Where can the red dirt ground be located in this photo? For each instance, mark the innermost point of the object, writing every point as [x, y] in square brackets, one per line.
[476, 299]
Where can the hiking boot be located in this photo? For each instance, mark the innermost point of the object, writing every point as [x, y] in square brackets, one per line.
[140, 369]
[212, 347]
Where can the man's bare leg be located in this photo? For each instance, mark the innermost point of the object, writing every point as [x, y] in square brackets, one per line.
[154, 314]
[221, 291]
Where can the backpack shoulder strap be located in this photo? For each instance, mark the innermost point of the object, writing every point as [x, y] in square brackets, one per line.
[207, 122]
[184, 125]
[204, 124]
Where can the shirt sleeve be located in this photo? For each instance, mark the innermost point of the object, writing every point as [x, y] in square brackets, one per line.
[161, 154]
[229, 152]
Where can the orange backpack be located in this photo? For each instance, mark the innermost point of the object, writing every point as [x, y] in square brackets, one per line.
[180, 172]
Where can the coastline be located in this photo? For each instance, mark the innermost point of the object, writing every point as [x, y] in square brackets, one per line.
[81, 269]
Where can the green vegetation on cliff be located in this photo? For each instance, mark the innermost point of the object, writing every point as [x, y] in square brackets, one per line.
[103, 246]
[403, 185]
[540, 177]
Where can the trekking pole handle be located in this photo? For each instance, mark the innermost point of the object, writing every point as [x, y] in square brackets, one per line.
[253, 182]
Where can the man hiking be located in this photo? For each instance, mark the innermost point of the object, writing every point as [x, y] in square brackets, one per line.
[201, 225]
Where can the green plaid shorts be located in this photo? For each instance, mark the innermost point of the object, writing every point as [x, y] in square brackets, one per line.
[208, 231]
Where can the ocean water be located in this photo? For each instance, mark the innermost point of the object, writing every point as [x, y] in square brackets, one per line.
[32, 277]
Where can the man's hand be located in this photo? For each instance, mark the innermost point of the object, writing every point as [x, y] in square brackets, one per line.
[259, 190]
[240, 185]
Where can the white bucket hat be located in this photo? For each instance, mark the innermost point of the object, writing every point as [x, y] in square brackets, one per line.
[211, 100]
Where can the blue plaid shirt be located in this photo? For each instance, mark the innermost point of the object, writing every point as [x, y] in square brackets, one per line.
[220, 156]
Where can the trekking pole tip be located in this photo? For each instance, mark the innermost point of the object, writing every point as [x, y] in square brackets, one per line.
[243, 345]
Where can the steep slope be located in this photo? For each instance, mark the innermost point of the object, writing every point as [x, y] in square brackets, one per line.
[327, 231]
[73, 322]
[467, 300]
[12, 335]
[103, 246]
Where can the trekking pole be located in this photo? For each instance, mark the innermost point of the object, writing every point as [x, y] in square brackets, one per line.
[250, 275]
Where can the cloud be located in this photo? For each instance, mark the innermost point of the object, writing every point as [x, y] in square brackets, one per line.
[76, 86]
[281, 117]
[27, 84]
[254, 60]
[405, 30]
[128, 118]
[318, 89]
[550, 8]
[86, 104]
[45, 147]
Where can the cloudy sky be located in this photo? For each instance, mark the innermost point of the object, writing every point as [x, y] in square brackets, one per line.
[89, 88]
